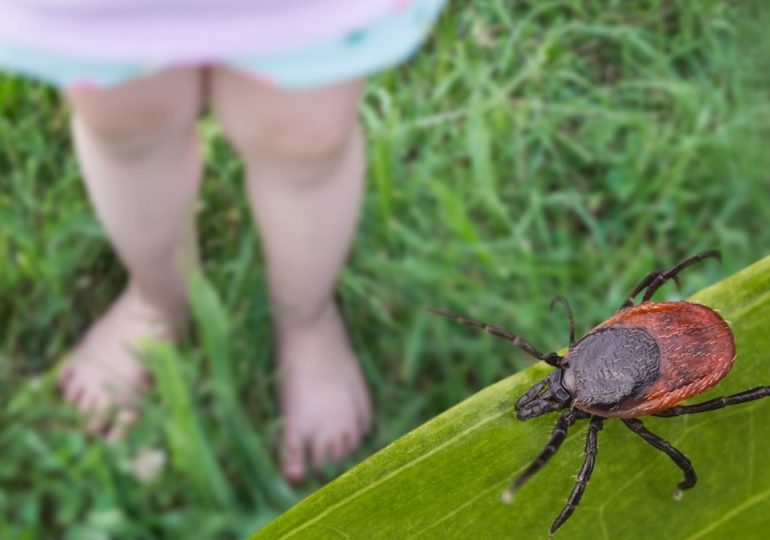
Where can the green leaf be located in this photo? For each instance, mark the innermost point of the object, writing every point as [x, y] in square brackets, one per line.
[444, 479]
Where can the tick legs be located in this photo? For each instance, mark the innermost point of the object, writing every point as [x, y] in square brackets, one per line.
[570, 321]
[646, 281]
[557, 437]
[552, 359]
[718, 403]
[676, 456]
[655, 279]
[583, 476]
[640, 287]
[661, 278]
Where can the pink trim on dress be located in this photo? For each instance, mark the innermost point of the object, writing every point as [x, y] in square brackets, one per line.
[399, 6]
[83, 85]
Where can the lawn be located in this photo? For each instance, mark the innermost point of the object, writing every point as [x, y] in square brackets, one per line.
[529, 150]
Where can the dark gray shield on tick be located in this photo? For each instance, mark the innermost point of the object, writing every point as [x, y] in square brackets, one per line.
[611, 365]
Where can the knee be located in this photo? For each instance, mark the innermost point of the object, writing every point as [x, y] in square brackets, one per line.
[313, 141]
[268, 126]
[139, 117]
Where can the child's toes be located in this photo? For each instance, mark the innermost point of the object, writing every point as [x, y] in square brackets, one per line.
[69, 389]
[79, 396]
[352, 440]
[319, 451]
[96, 423]
[65, 378]
[338, 449]
[122, 421]
[87, 402]
[96, 415]
[293, 460]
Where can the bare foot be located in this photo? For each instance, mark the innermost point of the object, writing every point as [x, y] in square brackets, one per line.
[102, 376]
[324, 399]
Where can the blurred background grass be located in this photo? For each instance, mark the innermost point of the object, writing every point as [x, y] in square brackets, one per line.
[530, 149]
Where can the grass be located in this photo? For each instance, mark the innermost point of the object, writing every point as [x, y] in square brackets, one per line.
[531, 149]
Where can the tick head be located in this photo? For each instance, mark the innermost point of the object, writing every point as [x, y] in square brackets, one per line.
[546, 396]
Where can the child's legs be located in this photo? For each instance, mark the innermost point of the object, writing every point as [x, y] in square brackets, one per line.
[304, 164]
[138, 150]
[305, 169]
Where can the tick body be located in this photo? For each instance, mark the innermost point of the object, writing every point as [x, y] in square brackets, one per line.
[644, 360]
[648, 358]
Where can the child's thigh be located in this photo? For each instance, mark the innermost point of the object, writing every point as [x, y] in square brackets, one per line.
[146, 108]
[266, 122]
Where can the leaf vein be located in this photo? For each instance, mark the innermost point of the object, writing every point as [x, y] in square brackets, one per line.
[748, 503]
[467, 503]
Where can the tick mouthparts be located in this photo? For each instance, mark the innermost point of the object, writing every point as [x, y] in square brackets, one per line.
[531, 406]
[525, 411]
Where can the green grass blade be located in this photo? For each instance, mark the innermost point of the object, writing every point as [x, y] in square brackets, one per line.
[250, 456]
[191, 448]
[444, 479]
[211, 321]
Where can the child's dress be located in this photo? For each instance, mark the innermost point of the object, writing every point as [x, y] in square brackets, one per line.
[289, 43]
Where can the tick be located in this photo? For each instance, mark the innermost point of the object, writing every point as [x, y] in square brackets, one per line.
[644, 360]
